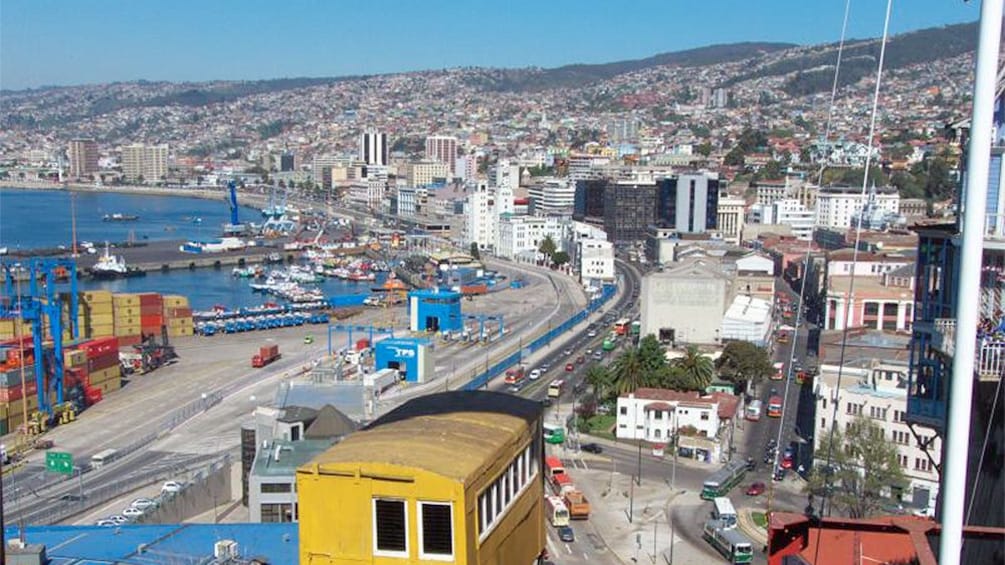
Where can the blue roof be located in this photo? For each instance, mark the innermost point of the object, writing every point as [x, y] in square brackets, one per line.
[435, 293]
[182, 543]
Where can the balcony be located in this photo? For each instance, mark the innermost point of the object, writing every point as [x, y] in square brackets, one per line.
[990, 356]
[994, 227]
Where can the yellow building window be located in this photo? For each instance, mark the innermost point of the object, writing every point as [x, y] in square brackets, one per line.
[390, 527]
[436, 531]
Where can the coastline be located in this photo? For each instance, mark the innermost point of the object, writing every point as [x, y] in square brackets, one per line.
[205, 193]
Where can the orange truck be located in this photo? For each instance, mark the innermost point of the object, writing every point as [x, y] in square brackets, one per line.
[266, 354]
[578, 505]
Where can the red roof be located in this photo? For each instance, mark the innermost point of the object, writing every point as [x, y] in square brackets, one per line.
[658, 406]
[726, 403]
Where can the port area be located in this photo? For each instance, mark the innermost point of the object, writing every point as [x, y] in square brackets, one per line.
[169, 423]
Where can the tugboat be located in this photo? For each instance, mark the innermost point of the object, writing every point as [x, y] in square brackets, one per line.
[116, 217]
[112, 267]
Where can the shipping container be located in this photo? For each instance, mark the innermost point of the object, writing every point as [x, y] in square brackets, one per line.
[103, 361]
[180, 332]
[96, 296]
[362, 344]
[98, 377]
[74, 357]
[152, 320]
[474, 289]
[175, 301]
[151, 310]
[127, 331]
[96, 347]
[177, 313]
[151, 298]
[126, 300]
[127, 340]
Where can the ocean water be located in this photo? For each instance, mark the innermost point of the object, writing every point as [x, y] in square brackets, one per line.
[31, 219]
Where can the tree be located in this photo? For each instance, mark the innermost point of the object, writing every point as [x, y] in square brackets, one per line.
[652, 355]
[559, 258]
[602, 381]
[694, 371]
[863, 468]
[628, 372]
[547, 247]
[742, 361]
[704, 149]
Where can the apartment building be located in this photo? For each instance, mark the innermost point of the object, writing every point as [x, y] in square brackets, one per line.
[837, 205]
[83, 155]
[442, 148]
[731, 218]
[146, 162]
[425, 173]
[521, 236]
[552, 196]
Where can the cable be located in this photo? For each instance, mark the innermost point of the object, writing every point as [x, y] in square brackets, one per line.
[984, 447]
[854, 260]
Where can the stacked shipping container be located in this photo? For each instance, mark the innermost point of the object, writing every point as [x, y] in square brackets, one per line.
[178, 316]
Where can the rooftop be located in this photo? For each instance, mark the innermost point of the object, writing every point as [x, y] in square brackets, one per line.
[867, 287]
[282, 458]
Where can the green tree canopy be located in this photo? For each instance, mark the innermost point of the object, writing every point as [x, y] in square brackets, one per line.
[693, 371]
[629, 373]
[547, 247]
[473, 251]
[602, 381]
[559, 258]
[864, 468]
[742, 361]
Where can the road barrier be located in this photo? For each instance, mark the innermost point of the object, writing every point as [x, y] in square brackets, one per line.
[510, 359]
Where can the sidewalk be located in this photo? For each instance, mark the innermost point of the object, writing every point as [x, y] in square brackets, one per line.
[745, 521]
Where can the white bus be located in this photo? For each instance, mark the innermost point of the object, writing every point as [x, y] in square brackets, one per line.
[102, 458]
[555, 388]
[724, 512]
[753, 411]
[558, 513]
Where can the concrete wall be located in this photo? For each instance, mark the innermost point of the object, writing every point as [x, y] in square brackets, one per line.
[202, 495]
[692, 307]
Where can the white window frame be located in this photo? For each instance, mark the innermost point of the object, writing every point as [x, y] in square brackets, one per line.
[373, 518]
[453, 538]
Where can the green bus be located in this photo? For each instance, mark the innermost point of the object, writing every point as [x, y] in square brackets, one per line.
[733, 545]
[636, 328]
[609, 344]
[554, 434]
[720, 482]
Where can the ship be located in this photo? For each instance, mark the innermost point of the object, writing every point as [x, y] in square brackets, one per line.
[112, 267]
[116, 217]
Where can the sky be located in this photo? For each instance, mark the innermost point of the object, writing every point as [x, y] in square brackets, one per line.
[67, 42]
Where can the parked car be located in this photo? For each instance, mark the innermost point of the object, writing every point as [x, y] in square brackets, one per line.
[591, 448]
[118, 519]
[567, 352]
[535, 374]
[779, 474]
[172, 487]
[132, 512]
[143, 503]
[788, 459]
[569, 367]
[544, 368]
[105, 522]
[591, 333]
[566, 534]
[756, 489]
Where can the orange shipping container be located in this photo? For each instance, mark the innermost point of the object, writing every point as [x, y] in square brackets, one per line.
[151, 299]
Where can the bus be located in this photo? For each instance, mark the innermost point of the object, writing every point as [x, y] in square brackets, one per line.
[636, 328]
[554, 466]
[775, 407]
[778, 374]
[609, 344]
[554, 434]
[558, 514]
[515, 376]
[724, 512]
[733, 545]
[718, 483]
[102, 458]
[621, 326]
[561, 484]
[753, 411]
[783, 336]
[555, 388]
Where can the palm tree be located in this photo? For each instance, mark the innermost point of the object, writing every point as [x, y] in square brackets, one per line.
[629, 373]
[696, 370]
[601, 380]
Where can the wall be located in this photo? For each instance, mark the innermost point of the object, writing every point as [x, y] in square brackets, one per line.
[690, 306]
[205, 493]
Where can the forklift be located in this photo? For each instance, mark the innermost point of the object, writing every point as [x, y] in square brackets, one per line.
[154, 355]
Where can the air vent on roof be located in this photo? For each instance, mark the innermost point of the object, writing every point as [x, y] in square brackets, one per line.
[225, 549]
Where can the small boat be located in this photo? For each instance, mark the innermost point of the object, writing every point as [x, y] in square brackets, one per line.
[116, 217]
[109, 266]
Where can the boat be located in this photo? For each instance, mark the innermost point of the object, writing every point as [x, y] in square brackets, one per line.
[213, 245]
[112, 267]
[116, 217]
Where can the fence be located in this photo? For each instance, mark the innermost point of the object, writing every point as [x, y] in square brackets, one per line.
[511, 359]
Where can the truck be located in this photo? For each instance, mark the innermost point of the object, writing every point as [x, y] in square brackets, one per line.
[578, 505]
[266, 354]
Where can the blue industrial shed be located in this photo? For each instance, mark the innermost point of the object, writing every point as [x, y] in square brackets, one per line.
[435, 311]
[277, 544]
[411, 356]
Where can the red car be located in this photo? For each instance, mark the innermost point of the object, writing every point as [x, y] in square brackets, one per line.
[787, 460]
[569, 367]
[756, 489]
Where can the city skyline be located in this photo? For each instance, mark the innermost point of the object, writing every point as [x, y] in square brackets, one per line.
[58, 43]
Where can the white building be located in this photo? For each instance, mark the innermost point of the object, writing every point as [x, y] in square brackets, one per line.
[879, 393]
[586, 167]
[790, 212]
[837, 204]
[747, 319]
[411, 200]
[685, 304]
[480, 218]
[146, 161]
[522, 235]
[505, 174]
[595, 261]
[373, 147]
[731, 219]
[655, 415]
[552, 196]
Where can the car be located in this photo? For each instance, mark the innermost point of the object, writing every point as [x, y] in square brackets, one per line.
[751, 464]
[544, 368]
[756, 488]
[132, 512]
[143, 503]
[589, 351]
[567, 352]
[73, 497]
[172, 487]
[788, 458]
[591, 333]
[591, 448]
[546, 402]
[119, 519]
[106, 523]
[779, 474]
[580, 359]
[566, 534]
[598, 355]
[569, 367]
[535, 374]
[514, 388]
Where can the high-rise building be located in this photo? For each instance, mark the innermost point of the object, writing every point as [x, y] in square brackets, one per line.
[588, 200]
[689, 202]
[146, 162]
[83, 157]
[629, 209]
[837, 205]
[442, 148]
[287, 162]
[552, 196]
[373, 148]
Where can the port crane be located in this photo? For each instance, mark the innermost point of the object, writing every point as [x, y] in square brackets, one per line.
[40, 305]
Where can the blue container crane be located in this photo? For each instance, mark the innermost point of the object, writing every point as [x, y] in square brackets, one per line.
[232, 186]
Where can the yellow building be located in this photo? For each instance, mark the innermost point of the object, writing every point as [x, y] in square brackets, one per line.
[446, 478]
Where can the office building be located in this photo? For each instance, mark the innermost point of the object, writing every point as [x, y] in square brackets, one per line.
[731, 217]
[521, 236]
[426, 173]
[480, 219]
[588, 200]
[629, 209]
[552, 196]
[146, 163]
[837, 205]
[451, 477]
[442, 148]
[83, 155]
[287, 162]
[689, 202]
[373, 148]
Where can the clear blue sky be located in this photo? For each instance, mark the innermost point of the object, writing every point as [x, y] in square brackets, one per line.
[59, 42]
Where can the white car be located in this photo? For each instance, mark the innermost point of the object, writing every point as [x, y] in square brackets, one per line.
[535, 374]
[172, 487]
[143, 503]
[106, 523]
[132, 512]
[592, 333]
[119, 519]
